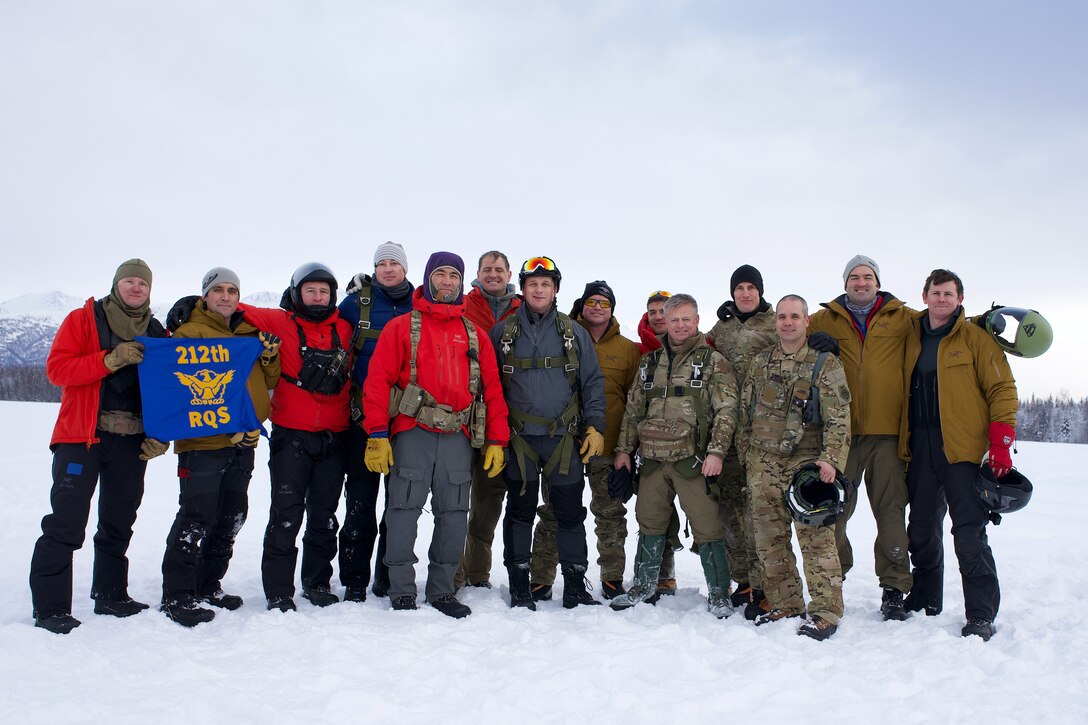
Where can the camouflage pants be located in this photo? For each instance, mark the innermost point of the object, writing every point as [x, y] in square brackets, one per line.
[658, 485]
[736, 516]
[886, 486]
[768, 478]
[610, 519]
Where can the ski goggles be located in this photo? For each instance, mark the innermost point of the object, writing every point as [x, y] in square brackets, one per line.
[544, 263]
[658, 295]
[603, 304]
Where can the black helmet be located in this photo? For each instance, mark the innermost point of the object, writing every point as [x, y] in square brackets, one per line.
[814, 502]
[1002, 495]
[540, 267]
[312, 272]
[1031, 337]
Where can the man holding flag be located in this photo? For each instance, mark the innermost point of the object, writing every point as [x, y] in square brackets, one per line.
[214, 470]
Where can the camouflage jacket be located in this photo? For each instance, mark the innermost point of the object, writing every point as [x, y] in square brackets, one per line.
[674, 370]
[741, 340]
[774, 397]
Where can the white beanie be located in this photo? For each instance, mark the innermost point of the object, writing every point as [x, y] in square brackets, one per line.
[861, 260]
[391, 250]
[218, 275]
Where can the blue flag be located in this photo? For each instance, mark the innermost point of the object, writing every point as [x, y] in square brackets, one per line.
[194, 387]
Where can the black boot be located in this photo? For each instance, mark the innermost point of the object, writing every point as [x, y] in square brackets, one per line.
[57, 623]
[355, 594]
[319, 596]
[574, 586]
[978, 628]
[891, 605]
[448, 605]
[220, 599]
[520, 594]
[121, 607]
[184, 610]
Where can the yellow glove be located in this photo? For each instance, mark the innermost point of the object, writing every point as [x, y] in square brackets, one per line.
[494, 461]
[152, 448]
[247, 440]
[592, 444]
[379, 455]
[127, 353]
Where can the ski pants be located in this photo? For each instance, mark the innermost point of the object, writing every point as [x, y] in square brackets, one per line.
[361, 525]
[77, 469]
[307, 472]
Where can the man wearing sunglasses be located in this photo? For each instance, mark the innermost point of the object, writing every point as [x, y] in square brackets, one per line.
[491, 300]
[618, 358]
[555, 392]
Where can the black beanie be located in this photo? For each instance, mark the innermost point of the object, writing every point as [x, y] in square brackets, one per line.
[746, 273]
[600, 287]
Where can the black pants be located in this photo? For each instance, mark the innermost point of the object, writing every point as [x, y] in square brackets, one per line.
[76, 472]
[212, 506]
[564, 496]
[360, 520]
[307, 471]
[935, 487]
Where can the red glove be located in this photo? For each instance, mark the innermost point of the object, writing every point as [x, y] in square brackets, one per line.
[1002, 436]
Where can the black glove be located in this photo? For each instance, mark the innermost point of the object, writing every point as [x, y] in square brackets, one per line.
[713, 488]
[357, 283]
[181, 311]
[620, 485]
[271, 347]
[822, 342]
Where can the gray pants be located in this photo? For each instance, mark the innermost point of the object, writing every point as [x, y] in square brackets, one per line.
[439, 464]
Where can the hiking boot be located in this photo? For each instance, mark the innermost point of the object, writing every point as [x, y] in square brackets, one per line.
[479, 585]
[355, 594]
[718, 604]
[612, 589]
[664, 588]
[123, 607]
[891, 605]
[647, 570]
[282, 604]
[976, 627]
[574, 586]
[319, 596]
[817, 628]
[219, 599]
[185, 611]
[404, 603]
[757, 606]
[716, 570]
[57, 623]
[912, 604]
[380, 588]
[541, 592]
[520, 590]
[448, 605]
[742, 596]
[775, 615]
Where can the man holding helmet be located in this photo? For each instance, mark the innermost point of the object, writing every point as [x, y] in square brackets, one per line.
[962, 405]
[794, 411]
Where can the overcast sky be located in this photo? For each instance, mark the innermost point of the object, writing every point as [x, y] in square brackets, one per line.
[655, 145]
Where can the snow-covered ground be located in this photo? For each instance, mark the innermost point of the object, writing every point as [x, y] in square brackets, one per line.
[670, 663]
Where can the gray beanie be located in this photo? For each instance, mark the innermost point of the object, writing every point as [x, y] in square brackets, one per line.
[391, 250]
[218, 275]
[861, 260]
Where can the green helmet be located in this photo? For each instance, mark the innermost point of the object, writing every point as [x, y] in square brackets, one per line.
[1033, 334]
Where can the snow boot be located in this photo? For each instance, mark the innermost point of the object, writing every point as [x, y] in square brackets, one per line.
[222, 600]
[716, 570]
[817, 628]
[319, 596]
[742, 596]
[184, 610]
[521, 594]
[381, 583]
[541, 592]
[775, 615]
[57, 623]
[574, 586]
[891, 605]
[355, 594]
[978, 628]
[647, 570]
[612, 589]
[913, 604]
[404, 603]
[448, 605]
[282, 604]
[123, 606]
[757, 606]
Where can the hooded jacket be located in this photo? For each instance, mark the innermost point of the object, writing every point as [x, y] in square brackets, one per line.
[975, 387]
[261, 381]
[647, 339]
[619, 360]
[442, 365]
[873, 363]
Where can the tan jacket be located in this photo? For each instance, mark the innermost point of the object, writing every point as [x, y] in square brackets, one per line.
[262, 378]
[874, 368]
[975, 387]
[618, 358]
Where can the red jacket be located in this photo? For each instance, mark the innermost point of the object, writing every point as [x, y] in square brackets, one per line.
[75, 363]
[293, 407]
[479, 312]
[442, 369]
[647, 339]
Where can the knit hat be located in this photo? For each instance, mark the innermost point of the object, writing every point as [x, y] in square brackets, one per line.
[860, 260]
[600, 287]
[391, 250]
[436, 261]
[218, 275]
[133, 268]
[746, 273]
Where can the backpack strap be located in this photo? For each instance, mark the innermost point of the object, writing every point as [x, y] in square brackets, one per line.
[363, 332]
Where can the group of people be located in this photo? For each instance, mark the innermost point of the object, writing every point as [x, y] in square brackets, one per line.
[473, 399]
